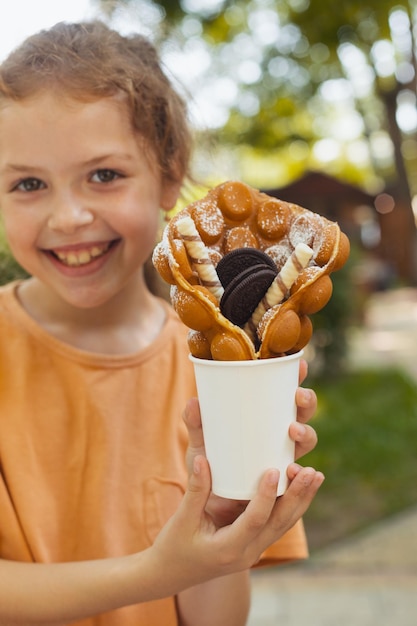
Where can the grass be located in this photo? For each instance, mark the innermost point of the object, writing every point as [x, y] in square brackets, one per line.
[367, 428]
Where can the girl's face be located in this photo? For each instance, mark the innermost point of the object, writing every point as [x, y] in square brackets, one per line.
[79, 194]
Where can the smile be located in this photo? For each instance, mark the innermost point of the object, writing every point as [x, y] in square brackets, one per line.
[83, 256]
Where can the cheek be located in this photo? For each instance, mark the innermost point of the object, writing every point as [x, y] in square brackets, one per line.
[14, 235]
[20, 235]
[18, 245]
[140, 224]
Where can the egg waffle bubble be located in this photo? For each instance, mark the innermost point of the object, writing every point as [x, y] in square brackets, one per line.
[232, 216]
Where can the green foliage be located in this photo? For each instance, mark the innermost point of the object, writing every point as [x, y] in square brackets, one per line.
[331, 324]
[367, 429]
[359, 21]
[9, 267]
[295, 61]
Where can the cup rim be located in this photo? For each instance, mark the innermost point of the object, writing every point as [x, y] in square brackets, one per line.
[245, 363]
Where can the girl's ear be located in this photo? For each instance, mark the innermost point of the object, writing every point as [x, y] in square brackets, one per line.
[169, 194]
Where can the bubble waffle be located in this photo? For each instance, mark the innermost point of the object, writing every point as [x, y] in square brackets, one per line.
[234, 216]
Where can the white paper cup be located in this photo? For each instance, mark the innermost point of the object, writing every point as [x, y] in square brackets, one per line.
[246, 410]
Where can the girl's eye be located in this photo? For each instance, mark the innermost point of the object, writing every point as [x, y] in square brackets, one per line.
[104, 176]
[29, 185]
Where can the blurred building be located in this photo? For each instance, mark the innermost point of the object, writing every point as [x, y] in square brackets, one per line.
[377, 225]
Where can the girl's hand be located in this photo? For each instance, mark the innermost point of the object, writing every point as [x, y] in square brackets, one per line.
[196, 549]
[225, 511]
[304, 435]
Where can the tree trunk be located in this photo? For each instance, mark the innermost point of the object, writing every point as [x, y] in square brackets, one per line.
[401, 222]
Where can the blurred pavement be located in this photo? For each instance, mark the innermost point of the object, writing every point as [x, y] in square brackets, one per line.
[389, 334]
[369, 579]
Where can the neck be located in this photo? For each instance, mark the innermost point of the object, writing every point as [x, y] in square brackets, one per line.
[125, 324]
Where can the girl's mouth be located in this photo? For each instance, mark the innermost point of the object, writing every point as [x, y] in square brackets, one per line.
[81, 256]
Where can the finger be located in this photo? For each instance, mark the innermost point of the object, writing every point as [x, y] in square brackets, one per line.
[192, 419]
[304, 485]
[306, 401]
[259, 509]
[304, 436]
[294, 503]
[286, 510]
[293, 470]
[198, 489]
[303, 371]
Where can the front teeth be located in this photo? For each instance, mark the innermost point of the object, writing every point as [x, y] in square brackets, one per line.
[82, 257]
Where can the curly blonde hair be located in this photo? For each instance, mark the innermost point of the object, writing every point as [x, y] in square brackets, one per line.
[90, 61]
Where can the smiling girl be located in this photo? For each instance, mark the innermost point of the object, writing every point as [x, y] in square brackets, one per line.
[105, 518]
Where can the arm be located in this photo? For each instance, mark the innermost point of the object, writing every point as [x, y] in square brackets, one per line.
[227, 597]
[41, 594]
[190, 550]
[58, 594]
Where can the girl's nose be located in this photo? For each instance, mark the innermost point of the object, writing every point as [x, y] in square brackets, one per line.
[69, 214]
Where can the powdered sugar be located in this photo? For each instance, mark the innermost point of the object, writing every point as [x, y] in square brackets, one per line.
[280, 252]
[273, 219]
[209, 222]
[308, 230]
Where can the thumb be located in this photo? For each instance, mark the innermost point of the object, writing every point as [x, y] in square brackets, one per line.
[199, 487]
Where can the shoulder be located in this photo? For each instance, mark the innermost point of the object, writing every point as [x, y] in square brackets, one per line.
[8, 290]
[8, 302]
[13, 334]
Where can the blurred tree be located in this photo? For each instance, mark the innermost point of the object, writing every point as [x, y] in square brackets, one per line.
[289, 75]
[373, 44]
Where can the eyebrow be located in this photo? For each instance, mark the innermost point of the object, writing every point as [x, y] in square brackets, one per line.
[106, 157]
[16, 167]
[12, 167]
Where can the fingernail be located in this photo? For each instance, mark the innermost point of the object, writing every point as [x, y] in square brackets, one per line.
[296, 468]
[273, 477]
[301, 430]
[196, 465]
[308, 476]
[305, 396]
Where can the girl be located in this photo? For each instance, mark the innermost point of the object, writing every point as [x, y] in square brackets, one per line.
[100, 521]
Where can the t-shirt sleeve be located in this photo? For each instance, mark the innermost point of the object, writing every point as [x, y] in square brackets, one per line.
[292, 546]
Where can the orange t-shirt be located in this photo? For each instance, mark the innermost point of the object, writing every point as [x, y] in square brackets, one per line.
[92, 450]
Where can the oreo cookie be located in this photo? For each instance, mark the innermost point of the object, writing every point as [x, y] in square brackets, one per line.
[246, 275]
[239, 260]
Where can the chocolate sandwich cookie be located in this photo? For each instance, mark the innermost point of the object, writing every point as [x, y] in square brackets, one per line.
[243, 294]
[240, 259]
[246, 274]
